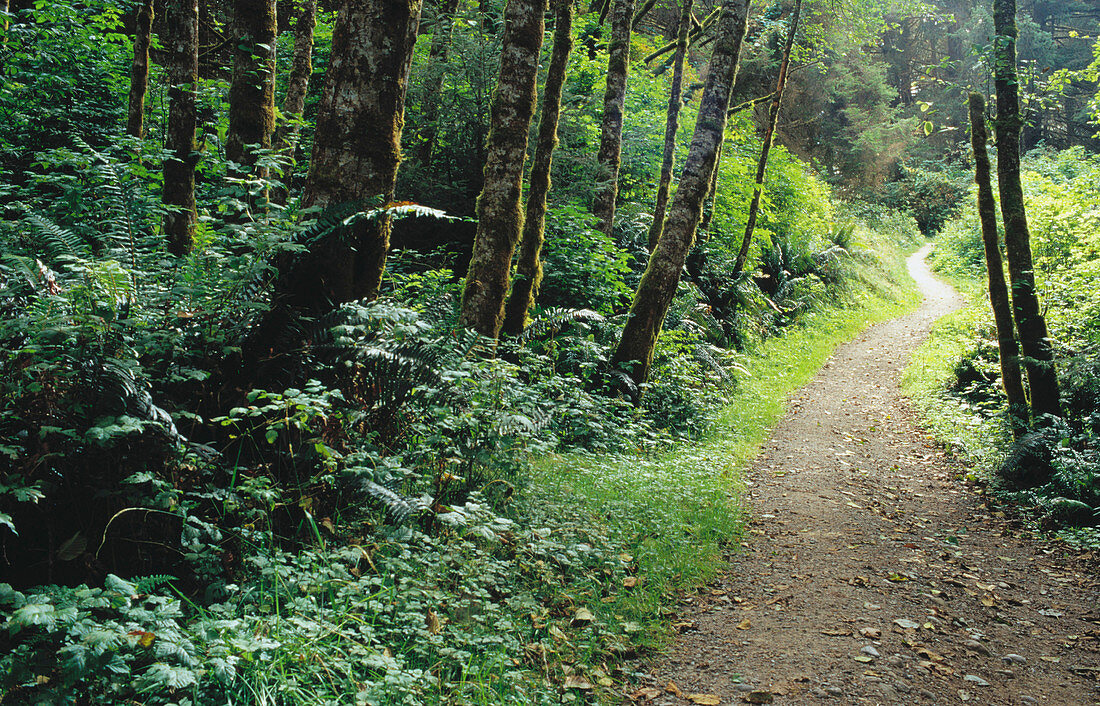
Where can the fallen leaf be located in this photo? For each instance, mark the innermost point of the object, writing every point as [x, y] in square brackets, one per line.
[836, 633]
[758, 697]
[870, 632]
[432, 620]
[145, 639]
[630, 581]
[989, 600]
[673, 689]
[744, 624]
[576, 682]
[897, 578]
[582, 617]
[704, 699]
[645, 694]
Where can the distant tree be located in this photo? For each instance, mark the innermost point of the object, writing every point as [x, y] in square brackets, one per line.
[766, 145]
[252, 89]
[297, 85]
[609, 157]
[1042, 377]
[139, 69]
[998, 291]
[437, 65]
[658, 285]
[672, 123]
[525, 286]
[499, 217]
[182, 56]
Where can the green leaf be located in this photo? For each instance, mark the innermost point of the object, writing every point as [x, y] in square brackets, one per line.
[271, 435]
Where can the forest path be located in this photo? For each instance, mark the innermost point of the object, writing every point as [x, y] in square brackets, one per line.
[871, 574]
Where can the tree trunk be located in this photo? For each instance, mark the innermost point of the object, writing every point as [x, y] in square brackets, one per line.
[437, 69]
[139, 70]
[712, 190]
[611, 133]
[658, 285]
[525, 287]
[998, 290]
[672, 124]
[252, 90]
[769, 132]
[498, 207]
[1042, 377]
[178, 195]
[297, 85]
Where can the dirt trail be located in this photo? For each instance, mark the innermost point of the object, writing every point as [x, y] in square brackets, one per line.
[871, 574]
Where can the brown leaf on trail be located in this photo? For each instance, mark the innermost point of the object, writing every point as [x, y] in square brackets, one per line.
[684, 625]
[576, 682]
[631, 581]
[704, 699]
[872, 633]
[582, 617]
[859, 581]
[758, 697]
[836, 633]
[646, 694]
[744, 624]
[673, 689]
[989, 600]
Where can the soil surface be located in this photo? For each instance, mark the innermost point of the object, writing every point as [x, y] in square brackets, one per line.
[872, 574]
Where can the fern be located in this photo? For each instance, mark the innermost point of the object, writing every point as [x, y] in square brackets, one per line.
[149, 584]
[53, 241]
[397, 507]
[553, 320]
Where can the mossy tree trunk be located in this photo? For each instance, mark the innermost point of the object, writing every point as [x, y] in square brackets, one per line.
[765, 148]
[525, 287]
[1042, 377]
[609, 157]
[998, 290]
[658, 285]
[139, 70]
[252, 89]
[301, 70]
[672, 124]
[178, 195]
[500, 219]
[437, 70]
[297, 85]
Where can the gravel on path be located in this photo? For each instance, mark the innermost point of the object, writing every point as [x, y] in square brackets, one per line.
[871, 574]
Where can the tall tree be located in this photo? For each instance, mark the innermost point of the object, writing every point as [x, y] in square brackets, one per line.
[178, 194]
[658, 285]
[297, 85]
[139, 69]
[765, 148]
[252, 89]
[437, 65]
[609, 157]
[1042, 377]
[998, 290]
[672, 123]
[529, 262]
[499, 217]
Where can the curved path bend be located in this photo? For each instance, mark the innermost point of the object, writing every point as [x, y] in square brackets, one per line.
[871, 574]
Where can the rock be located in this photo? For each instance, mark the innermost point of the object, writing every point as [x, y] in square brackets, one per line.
[1013, 658]
[819, 693]
[1024, 699]
[926, 694]
[889, 693]
[975, 679]
[902, 687]
[834, 691]
[758, 697]
[870, 650]
[744, 687]
[975, 646]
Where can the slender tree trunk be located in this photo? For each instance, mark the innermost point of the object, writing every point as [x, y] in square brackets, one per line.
[437, 70]
[182, 19]
[658, 285]
[525, 287]
[672, 124]
[297, 85]
[611, 133]
[1042, 377]
[998, 290]
[252, 90]
[712, 191]
[769, 133]
[500, 219]
[139, 69]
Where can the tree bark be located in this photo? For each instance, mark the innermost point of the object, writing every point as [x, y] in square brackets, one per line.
[178, 195]
[139, 70]
[658, 285]
[500, 219]
[1042, 377]
[252, 89]
[525, 287]
[609, 157]
[998, 290]
[672, 124]
[712, 191]
[437, 69]
[297, 84]
[765, 148]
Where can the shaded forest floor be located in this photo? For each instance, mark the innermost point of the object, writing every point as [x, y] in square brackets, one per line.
[870, 574]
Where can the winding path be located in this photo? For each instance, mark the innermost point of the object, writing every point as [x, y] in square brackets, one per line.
[871, 574]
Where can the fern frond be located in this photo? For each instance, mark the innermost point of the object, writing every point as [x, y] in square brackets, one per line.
[148, 584]
[553, 320]
[54, 241]
[397, 507]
